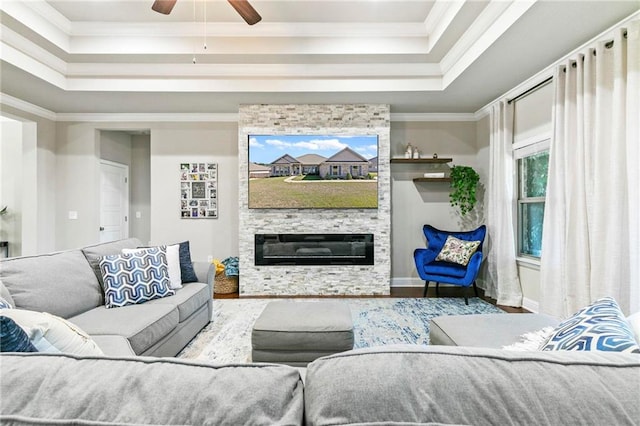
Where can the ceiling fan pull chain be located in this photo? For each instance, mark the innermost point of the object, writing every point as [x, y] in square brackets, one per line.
[205, 25]
[194, 20]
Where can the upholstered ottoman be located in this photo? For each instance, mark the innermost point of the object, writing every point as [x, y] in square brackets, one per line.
[296, 333]
[485, 330]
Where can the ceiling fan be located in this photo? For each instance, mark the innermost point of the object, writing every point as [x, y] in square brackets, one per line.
[243, 7]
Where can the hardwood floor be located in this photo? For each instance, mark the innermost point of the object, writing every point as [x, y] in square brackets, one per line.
[411, 292]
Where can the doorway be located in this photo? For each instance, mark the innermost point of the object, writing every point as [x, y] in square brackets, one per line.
[114, 201]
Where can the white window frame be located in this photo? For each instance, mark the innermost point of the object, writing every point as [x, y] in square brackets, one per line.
[522, 149]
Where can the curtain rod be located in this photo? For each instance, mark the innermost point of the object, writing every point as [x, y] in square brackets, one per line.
[529, 90]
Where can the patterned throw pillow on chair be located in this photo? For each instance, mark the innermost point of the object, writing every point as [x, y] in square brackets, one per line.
[135, 277]
[457, 251]
[600, 326]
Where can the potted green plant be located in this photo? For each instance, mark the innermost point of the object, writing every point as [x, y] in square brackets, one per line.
[464, 182]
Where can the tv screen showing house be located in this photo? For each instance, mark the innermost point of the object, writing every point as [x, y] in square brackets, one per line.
[313, 172]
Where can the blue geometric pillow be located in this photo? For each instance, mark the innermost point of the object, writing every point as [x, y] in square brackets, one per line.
[600, 326]
[4, 304]
[13, 338]
[135, 278]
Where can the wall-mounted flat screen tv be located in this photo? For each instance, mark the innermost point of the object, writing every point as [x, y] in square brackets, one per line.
[313, 172]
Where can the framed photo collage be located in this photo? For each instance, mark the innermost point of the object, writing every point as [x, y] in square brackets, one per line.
[199, 190]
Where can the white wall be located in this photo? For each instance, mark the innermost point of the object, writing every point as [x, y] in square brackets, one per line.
[416, 204]
[175, 143]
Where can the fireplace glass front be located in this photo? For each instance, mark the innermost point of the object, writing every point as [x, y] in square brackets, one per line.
[313, 249]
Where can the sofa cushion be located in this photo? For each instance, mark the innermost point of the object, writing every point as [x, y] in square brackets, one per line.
[60, 283]
[601, 326]
[143, 325]
[69, 390]
[187, 299]
[472, 386]
[485, 330]
[13, 338]
[134, 278]
[94, 253]
[50, 333]
[112, 345]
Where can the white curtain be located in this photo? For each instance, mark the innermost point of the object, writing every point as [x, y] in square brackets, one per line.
[592, 213]
[501, 280]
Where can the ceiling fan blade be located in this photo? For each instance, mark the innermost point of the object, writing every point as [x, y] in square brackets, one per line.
[245, 10]
[163, 6]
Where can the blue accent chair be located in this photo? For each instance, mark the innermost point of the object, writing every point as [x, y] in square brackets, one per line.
[445, 272]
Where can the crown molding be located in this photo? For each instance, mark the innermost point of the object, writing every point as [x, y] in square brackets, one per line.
[19, 104]
[440, 17]
[432, 117]
[148, 117]
[41, 18]
[265, 29]
[494, 21]
[548, 71]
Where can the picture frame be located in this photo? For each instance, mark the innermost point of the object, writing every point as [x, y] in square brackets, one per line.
[198, 190]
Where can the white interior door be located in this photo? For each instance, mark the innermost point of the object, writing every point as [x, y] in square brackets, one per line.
[114, 201]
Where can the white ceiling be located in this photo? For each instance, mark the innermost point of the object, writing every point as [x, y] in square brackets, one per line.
[419, 56]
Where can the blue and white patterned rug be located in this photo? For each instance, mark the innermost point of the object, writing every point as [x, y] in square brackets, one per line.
[376, 321]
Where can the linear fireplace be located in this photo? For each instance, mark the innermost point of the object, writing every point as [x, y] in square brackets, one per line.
[314, 249]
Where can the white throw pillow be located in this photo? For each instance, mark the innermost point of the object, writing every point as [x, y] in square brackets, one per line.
[634, 323]
[49, 333]
[173, 263]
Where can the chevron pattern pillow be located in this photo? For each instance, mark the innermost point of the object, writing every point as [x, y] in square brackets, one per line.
[600, 326]
[135, 278]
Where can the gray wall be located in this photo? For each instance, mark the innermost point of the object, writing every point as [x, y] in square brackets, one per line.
[416, 204]
[175, 143]
[79, 153]
[140, 188]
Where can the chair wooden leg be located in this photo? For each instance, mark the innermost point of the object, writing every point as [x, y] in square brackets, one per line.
[437, 289]
[466, 296]
[475, 289]
[426, 287]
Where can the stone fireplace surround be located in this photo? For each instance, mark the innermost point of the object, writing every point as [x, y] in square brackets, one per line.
[315, 280]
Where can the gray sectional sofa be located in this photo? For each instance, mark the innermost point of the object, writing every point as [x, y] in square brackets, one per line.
[131, 385]
[385, 385]
[68, 284]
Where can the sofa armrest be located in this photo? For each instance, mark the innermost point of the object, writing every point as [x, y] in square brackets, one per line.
[205, 271]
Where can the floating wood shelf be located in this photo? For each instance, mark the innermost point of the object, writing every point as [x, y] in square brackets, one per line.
[421, 160]
[424, 179]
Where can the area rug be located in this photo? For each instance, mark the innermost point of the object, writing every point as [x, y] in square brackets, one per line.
[376, 321]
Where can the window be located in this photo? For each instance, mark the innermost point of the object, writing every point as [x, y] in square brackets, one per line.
[533, 167]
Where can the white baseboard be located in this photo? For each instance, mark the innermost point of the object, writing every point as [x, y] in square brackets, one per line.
[530, 305]
[413, 282]
[406, 282]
